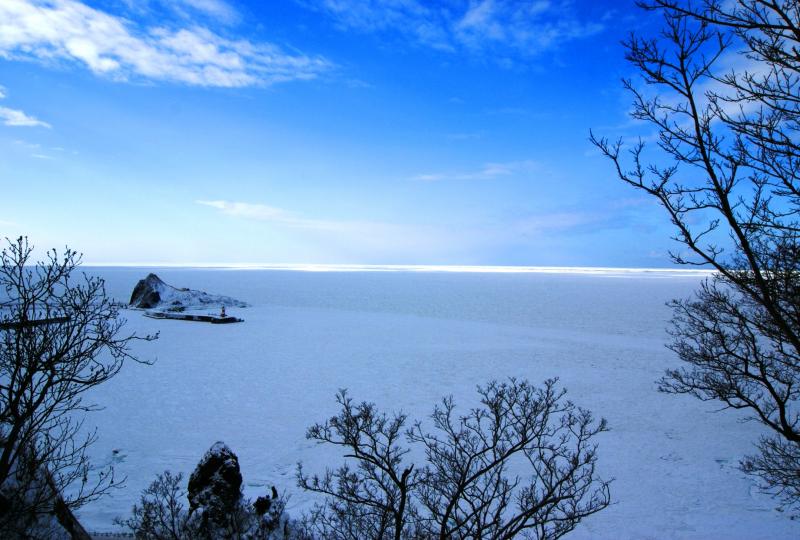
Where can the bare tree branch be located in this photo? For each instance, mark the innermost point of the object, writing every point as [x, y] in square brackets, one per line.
[59, 338]
[727, 175]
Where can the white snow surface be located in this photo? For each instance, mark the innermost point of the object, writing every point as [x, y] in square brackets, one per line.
[404, 340]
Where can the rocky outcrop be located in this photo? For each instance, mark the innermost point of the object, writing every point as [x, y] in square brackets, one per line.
[215, 485]
[153, 293]
[147, 293]
[217, 508]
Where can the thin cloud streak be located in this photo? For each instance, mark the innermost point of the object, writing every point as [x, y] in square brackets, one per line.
[704, 91]
[262, 212]
[363, 241]
[356, 240]
[528, 28]
[212, 8]
[218, 11]
[16, 118]
[490, 171]
[68, 30]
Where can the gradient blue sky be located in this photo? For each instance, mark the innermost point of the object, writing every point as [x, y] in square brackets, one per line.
[321, 131]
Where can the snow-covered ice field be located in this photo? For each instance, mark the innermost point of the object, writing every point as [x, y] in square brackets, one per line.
[405, 339]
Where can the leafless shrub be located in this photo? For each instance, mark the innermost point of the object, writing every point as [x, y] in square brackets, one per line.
[521, 464]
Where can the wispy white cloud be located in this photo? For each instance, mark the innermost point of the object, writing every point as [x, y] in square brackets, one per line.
[220, 11]
[17, 118]
[704, 90]
[36, 151]
[354, 239]
[212, 8]
[529, 28]
[489, 171]
[262, 212]
[559, 222]
[28, 145]
[564, 220]
[118, 48]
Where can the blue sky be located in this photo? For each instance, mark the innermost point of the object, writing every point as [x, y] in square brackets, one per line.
[321, 131]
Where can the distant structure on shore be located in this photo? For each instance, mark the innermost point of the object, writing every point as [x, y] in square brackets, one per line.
[163, 301]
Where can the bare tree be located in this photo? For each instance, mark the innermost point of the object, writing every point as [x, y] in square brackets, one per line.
[160, 514]
[59, 338]
[726, 172]
[522, 464]
[372, 500]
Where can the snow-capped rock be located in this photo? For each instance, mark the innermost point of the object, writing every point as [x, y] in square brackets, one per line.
[215, 485]
[151, 292]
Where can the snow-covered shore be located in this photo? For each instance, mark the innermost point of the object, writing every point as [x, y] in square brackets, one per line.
[404, 340]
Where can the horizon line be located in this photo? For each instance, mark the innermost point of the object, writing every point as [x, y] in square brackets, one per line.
[322, 267]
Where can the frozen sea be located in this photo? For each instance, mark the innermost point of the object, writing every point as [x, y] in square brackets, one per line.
[404, 339]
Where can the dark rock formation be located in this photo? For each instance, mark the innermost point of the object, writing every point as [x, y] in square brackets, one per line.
[263, 504]
[147, 293]
[151, 292]
[215, 485]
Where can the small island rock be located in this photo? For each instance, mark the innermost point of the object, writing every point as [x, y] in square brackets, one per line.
[147, 293]
[153, 293]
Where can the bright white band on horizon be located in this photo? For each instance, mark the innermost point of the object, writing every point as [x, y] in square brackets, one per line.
[416, 268]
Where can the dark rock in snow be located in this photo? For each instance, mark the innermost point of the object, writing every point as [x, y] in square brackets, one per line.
[151, 292]
[215, 485]
[147, 293]
[263, 504]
